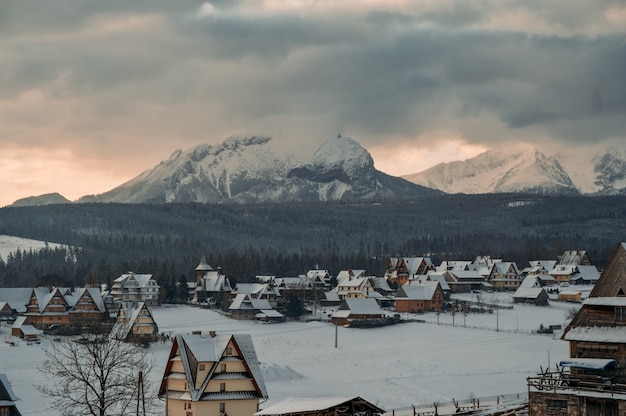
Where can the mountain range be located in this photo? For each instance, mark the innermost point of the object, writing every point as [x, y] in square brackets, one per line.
[527, 169]
[245, 169]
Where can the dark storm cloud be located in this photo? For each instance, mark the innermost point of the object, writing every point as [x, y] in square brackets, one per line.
[375, 72]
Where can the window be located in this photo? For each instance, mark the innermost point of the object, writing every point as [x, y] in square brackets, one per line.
[201, 367]
[222, 387]
[229, 351]
[620, 314]
[222, 407]
[556, 404]
[223, 368]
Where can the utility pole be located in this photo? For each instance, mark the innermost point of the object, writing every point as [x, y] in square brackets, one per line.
[336, 334]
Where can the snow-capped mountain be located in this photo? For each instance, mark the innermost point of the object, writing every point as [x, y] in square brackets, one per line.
[527, 169]
[245, 169]
[522, 170]
[610, 173]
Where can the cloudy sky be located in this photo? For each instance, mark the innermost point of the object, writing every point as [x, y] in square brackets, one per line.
[92, 93]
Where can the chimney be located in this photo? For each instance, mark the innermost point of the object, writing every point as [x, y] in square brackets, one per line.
[212, 334]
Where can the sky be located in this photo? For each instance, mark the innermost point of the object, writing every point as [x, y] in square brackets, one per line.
[93, 93]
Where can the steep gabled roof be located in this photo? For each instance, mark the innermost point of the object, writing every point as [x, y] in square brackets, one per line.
[611, 284]
[194, 349]
[612, 281]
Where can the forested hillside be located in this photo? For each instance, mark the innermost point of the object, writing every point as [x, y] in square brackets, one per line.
[168, 240]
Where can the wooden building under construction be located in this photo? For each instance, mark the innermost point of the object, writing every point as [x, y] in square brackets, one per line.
[592, 382]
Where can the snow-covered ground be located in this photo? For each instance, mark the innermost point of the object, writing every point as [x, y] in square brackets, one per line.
[395, 366]
[10, 244]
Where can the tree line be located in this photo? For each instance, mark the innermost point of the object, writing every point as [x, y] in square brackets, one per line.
[168, 240]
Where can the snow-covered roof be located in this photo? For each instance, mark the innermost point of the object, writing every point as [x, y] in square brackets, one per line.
[303, 404]
[204, 265]
[606, 301]
[4, 381]
[588, 273]
[608, 334]
[331, 296]
[527, 292]
[425, 291]
[588, 363]
[529, 281]
[19, 322]
[269, 313]
[17, 298]
[362, 306]
[466, 274]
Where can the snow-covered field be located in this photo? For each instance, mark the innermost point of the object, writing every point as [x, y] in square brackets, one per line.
[10, 244]
[396, 366]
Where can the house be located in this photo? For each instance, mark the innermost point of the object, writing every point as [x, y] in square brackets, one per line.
[7, 398]
[319, 279]
[465, 281]
[64, 307]
[585, 275]
[16, 297]
[531, 291]
[539, 267]
[336, 406]
[136, 287]
[574, 258]
[445, 287]
[265, 291]
[562, 273]
[134, 320]
[214, 374]
[22, 330]
[504, 276]
[354, 284]
[211, 286]
[246, 307]
[86, 305]
[571, 295]
[401, 269]
[427, 296]
[352, 309]
[48, 307]
[593, 380]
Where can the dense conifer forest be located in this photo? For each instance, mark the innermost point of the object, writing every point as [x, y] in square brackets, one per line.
[168, 240]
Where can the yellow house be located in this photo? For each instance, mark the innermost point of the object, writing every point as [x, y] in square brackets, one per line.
[212, 375]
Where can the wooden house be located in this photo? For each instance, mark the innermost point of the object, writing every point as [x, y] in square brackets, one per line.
[593, 380]
[135, 321]
[466, 281]
[48, 307]
[361, 309]
[212, 374]
[504, 276]
[571, 295]
[424, 297]
[402, 269]
[212, 286]
[314, 406]
[246, 307]
[531, 291]
[7, 398]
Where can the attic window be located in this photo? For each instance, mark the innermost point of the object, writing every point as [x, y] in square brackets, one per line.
[621, 293]
[229, 351]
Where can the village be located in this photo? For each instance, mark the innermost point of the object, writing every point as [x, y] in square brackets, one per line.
[225, 370]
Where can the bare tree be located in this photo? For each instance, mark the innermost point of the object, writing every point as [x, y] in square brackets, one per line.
[98, 375]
